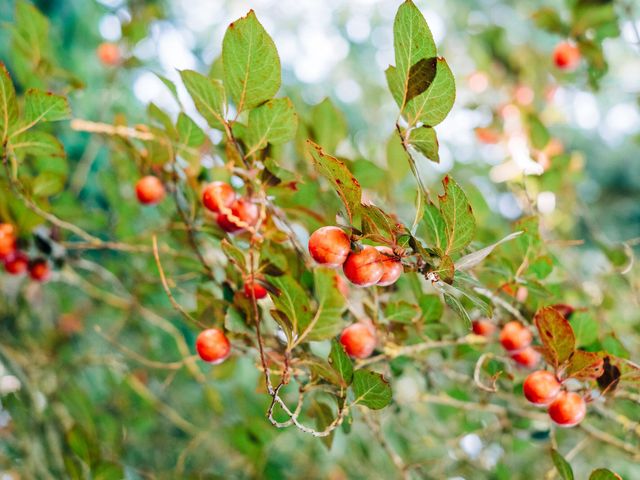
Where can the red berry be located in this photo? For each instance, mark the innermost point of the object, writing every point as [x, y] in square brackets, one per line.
[364, 268]
[566, 56]
[329, 246]
[16, 263]
[258, 290]
[149, 190]
[218, 194]
[483, 327]
[7, 239]
[213, 345]
[527, 357]
[359, 340]
[541, 387]
[515, 336]
[392, 267]
[39, 270]
[243, 212]
[568, 409]
[108, 54]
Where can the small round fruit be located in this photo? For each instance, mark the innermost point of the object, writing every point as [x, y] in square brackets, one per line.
[213, 345]
[39, 270]
[218, 194]
[364, 268]
[541, 387]
[243, 213]
[16, 263]
[258, 290]
[149, 190]
[515, 336]
[566, 56]
[527, 357]
[7, 239]
[108, 54]
[392, 267]
[359, 340]
[483, 327]
[329, 246]
[568, 409]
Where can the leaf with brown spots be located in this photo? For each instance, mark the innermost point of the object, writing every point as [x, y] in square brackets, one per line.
[585, 365]
[556, 335]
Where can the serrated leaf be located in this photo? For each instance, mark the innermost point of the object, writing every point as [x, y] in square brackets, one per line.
[376, 221]
[208, 97]
[42, 106]
[328, 125]
[8, 104]
[460, 224]
[432, 307]
[189, 133]
[562, 466]
[402, 312]
[291, 301]
[341, 362]
[31, 33]
[585, 365]
[371, 389]
[424, 139]
[345, 184]
[38, 144]
[433, 105]
[469, 261]
[274, 122]
[556, 335]
[604, 474]
[251, 63]
[327, 320]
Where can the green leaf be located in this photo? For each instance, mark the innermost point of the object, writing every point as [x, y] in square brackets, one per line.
[338, 174]
[432, 106]
[460, 225]
[324, 417]
[395, 85]
[432, 307]
[585, 365]
[42, 106]
[31, 33]
[328, 125]
[341, 362]
[8, 104]
[469, 261]
[435, 228]
[548, 19]
[327, 321]
[585, 327]
[38, 144]
[376, 221]
[604, 474]
[189, 133]
[371, 389]
[402, 312]
[208, 97]
[424, 139]
[414, 46]
[291, 301]
[456, 306]
[556, 335]
[538, 132]
[251, 63]
[234, 254]
[563, 467]
[274, 122]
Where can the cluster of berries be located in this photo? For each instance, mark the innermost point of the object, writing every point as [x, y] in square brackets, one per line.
[331, 247]
[15, 261]
[514, 337]
[233, 214]
[565, 408]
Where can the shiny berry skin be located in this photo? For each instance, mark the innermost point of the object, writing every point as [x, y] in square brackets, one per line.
[149, 190]
[515, 336]
[566, 56]
[218, 194]
[258, 290]
[329, 246]
[541, 387]
[7, 239]
[568, 409]
[359, 340]
[243, 213]
[392, 267]
[16, 263]
[213, 345]
[527, 357]
[364, 268]
[39, 270]
[483, 327]
[108, 54]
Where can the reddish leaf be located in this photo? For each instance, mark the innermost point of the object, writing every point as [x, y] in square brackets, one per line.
[585, 365]
[556, 335]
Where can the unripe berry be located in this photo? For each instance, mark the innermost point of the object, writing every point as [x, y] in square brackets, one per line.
[16, 263]
[242, 212]
[566, 56]
[359, 340]
[258, 290]
[7, 239]
[568, 409]
[483, 327]
[218, 194]
[213, 345]
[515, 336]
[149, 190]
[392, 267]
[329, 246]
[39, 270]
[108, 54]
[364, 268]
[541, 387]
[527, 357]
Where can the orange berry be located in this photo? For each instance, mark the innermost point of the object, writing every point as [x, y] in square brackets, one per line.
[359, 340]
[541, 387]
[258, 290]
[566, 56]
[242, 212]
[568, 409]
[213, 345]
[108, 54]
[149, 190]
[218, 194]
[483, 327]
[329, 246]
[527, 357]
[39, 270]
[364, 268]
[391, 265]
[515, 336]
[16, 263]
[7, 239]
